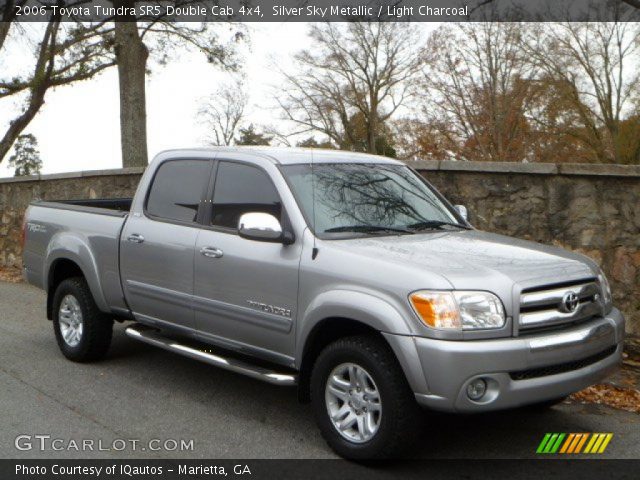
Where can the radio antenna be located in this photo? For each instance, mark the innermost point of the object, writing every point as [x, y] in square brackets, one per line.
[314, 251]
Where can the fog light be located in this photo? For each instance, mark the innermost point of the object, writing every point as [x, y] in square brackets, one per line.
[476, 389]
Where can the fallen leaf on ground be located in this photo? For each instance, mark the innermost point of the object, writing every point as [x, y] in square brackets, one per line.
[616, 397]
[10, 274]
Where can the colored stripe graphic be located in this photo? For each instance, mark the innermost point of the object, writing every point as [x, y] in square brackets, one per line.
[590, 444]
[599, 443]
[605, 442]
[567, 442]
[556, 445]
[543, 443]
[574, 443]
[550, 443]
[581, 442]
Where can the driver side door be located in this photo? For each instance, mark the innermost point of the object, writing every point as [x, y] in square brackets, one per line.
[245, 291]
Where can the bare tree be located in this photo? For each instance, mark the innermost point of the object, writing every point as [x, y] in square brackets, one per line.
[223, 111]
[66, 53]
[75, 51]
[137, 38]
[8, 14]
[477, 83]
[356, 69]
[594, 67]
[131, 57]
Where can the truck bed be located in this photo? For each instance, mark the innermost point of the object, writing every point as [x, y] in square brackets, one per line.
[111, 206]
[86, 231]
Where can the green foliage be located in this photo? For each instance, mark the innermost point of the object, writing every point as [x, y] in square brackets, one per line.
[249, 136]
[384, 142]
[311, 142]
[26, 157]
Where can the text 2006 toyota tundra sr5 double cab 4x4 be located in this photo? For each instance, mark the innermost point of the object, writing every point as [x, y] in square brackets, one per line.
[346, 274]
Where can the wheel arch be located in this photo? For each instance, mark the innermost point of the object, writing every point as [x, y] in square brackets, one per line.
[63, 267]
[339, 313]
[323, 333]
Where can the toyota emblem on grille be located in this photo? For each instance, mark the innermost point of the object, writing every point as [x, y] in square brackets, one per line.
[570, 302]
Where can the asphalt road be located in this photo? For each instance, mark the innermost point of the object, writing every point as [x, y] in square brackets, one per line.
[142, 393]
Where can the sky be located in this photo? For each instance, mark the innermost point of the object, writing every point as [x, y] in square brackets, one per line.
[79, 129]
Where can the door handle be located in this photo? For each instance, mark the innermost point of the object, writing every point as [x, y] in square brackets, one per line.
[211, 252]
[135, 238]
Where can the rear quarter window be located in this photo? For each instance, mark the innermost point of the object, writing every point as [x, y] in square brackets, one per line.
[177, 190]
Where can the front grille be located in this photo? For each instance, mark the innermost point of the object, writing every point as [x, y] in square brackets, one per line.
[562, 367]
[546, 306]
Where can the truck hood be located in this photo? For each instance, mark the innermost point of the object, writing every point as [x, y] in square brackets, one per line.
[472, 259]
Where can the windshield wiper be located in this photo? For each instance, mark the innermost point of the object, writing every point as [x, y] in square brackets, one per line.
[368, 229]
[435, 224]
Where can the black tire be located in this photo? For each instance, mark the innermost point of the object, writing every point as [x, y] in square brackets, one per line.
[398, 421]
[97, 328]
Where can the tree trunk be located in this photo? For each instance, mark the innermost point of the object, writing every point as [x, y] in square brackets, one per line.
[38, 89]
[4, 31]
[20, 123]
[372, 133]
[131, 56]
[371, 137]
[8, 15]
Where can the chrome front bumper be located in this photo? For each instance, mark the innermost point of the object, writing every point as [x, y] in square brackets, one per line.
[518, 371]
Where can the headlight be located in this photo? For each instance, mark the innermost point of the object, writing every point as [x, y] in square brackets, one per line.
[606, 290]
[458, 310]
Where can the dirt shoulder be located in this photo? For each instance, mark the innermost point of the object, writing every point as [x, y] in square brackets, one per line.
[10, 274]
[622, 389]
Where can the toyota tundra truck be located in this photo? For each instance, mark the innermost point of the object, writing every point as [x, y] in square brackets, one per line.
[347, 275]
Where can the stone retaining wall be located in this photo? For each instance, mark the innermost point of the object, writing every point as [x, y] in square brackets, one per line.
[592, 209]
[17, 192]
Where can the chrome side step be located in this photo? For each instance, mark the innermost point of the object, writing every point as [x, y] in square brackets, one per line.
[152, 337]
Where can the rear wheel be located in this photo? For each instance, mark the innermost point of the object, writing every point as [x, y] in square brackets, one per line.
[82, 331]
[361, 400]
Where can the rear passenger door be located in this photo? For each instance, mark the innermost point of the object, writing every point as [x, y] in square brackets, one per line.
[157, 245]
[236, 290]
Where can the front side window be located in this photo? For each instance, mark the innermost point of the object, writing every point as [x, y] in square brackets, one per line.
[240, 189]
[177, 189]
[340, 199]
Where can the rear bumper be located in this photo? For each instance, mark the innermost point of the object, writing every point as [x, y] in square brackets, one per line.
[518, 371]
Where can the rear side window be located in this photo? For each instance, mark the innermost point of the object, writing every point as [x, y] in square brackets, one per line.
[177, 189]
[241, 189]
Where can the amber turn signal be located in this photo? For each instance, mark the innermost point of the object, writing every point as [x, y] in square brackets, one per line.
[436, 309]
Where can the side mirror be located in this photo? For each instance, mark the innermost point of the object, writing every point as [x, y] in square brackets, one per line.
[462, 210]
[260, 226]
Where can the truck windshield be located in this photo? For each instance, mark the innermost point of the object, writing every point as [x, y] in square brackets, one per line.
[365, 199]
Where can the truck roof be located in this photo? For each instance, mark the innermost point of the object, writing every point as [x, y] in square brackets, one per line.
[286, 155]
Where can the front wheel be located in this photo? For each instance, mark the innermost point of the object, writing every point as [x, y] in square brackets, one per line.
[361, 400]
[82, 331]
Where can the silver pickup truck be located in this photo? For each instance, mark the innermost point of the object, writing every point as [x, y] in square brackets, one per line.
[345, 274]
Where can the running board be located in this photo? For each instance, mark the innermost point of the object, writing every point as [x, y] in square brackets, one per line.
[152, 337]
